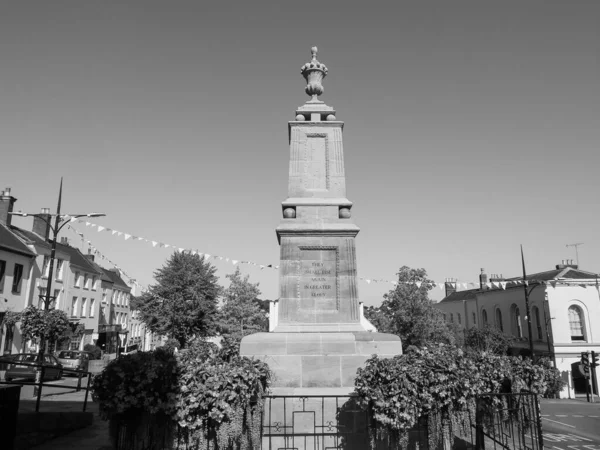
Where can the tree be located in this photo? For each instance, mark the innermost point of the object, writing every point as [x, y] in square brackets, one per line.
[43, 326]
[242, 312]
[183, 303]
[488, 339]
[408, 312]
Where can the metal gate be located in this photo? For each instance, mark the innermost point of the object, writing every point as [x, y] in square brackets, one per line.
[314, 422]
[328, 422]
[508, 421]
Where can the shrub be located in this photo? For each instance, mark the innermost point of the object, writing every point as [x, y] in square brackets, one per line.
[439, 386]
[94, 351]
[199, 397]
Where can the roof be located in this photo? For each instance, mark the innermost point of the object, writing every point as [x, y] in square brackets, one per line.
[460, 295]
[30, 237]
[11, 241]
[556, 274]
[115, 278]
[565, 273]
[76, 258]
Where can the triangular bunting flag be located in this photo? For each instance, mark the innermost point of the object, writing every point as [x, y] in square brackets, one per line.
[154, 243]
[73, 219]
[87, 224]
[368, 281]
[418, 283]
[234, 261]
[503, 284]
[100, 228]
[127, 236]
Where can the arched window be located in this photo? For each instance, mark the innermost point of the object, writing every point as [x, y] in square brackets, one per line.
[452, 317]
[474, 319]
[536, 318]
[484, 317]
[576, 323]
[458, 317]
[499, 320]
[517, 326]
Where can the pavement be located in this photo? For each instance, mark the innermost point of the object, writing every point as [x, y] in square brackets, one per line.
[93, 437]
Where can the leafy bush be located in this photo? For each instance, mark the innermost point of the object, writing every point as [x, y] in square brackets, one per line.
[197, 396]
[94, 351]
[439, 386]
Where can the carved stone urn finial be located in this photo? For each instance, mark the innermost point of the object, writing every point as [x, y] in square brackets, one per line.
[314, 72]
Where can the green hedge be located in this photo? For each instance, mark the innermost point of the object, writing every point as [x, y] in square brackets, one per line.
[196, 398]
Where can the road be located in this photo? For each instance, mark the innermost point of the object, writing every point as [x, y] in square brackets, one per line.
[570, 424]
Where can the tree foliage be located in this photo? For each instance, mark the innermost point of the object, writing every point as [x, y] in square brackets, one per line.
[242, 312]
[183, 302]
[488, 339]
[408, 312]
[38, 324]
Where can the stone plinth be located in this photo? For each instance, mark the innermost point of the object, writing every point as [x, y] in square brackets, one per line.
[318, 360]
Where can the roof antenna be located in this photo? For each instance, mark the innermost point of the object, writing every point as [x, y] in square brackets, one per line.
[576, 245]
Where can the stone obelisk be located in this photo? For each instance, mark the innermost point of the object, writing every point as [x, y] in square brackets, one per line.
[317, 337]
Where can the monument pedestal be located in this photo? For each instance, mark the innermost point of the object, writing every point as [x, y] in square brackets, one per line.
[317, 359]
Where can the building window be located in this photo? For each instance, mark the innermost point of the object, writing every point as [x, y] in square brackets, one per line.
[517, 326]
[474, 319]
[83, 305]
[56, 300]
[451, 317]
[576, 323]
[104, 295]
[77, 279]
[76, 341]
[8, 339]
[499, 324]
[74, 307]
[2, 274]
[94, 283]
[458, 318]
[86, 281]
[538, 324]
[113, 297]
[484, 317]
[42, 299]
[92, 304]
[59, 269]
[17, 278]
[442, 315]
[45, 266]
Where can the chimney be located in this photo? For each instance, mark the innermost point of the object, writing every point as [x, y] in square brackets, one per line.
[566, 263]
[89, 255]
[41, 226]
[450, 285]
[64, 240]
[482, 279]
[7, 202]
[496, 277]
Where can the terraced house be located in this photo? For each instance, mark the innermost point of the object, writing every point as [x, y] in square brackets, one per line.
[90, 295]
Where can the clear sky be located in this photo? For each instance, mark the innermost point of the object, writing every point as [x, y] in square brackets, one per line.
[471, 127]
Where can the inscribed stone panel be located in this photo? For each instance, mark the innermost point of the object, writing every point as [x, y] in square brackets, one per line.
[318, 277]
[315, 168]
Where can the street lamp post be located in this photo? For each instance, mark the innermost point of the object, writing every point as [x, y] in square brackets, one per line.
[59, 222]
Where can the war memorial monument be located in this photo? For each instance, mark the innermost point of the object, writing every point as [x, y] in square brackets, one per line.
[317, 340]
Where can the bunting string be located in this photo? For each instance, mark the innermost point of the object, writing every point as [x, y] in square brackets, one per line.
[457, 285]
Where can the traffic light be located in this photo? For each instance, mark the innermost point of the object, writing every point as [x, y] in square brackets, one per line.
[585, 362]
[594, 359]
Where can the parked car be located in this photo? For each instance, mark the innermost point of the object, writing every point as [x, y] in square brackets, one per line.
[52, 368]
[74, 359]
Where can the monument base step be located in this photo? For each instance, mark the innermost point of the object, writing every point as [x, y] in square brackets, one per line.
[318, 360]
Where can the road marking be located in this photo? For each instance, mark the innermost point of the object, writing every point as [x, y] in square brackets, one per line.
[556, 421]
[561, 415]
[575, 415]
[553, 437]
[592, 416]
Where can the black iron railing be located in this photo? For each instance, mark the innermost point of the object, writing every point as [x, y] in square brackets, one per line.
[81, 374]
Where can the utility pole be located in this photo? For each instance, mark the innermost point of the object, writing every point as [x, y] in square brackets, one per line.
[527, 311]
[576, 245]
